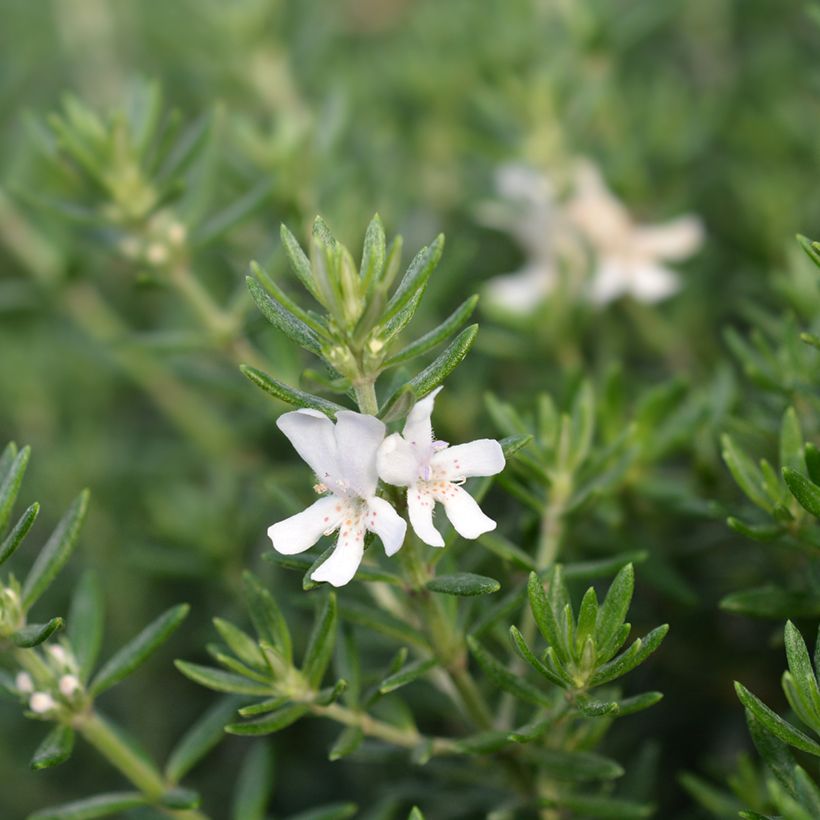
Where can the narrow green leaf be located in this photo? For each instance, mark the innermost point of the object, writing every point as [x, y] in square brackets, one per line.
[812, 457]
[528, 655]
[434, 374]
[772, 602]
[254, 785]
[139, 649]
[266, 616]
[35, 634]
[320, 646]
[506, 550]
[544, 616]
[415, 814]
[8, 546]
[435, 337]
[361, 614]
[56, 551]
[332, 811]
[398, 405]
[85, 623]
[406, 675]
[288, 394]
[10, 482]
[463, 584]
[606, 808]
[811, 248]
[505, 679]
[180, 799]
[587, 617]
[373, 254]
[791, 442]
[238, 210]
[221, 681]
[275, 722]
[802, 671]
[577, 767]
[200, 738]
[299, 262]
[775, 724]
[805, 491]
[510, 445]
[415, 279]
[263, 706]
[91, 808]
[348, 742]
[757, 532]
[627, 661]
[240, 643]
[745, 473]
[615, 607]
[807, 792]
[55, 749]
[280, 317]
[775, 753]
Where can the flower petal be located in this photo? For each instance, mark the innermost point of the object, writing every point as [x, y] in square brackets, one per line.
[476, 458]
[674, 240]
[387, 524]
[463, 512]
[417, 429]
[611, 280]
[397, 462]
[358, 437]
[523, 291]
[311, 434]
[420, 510]
[303, 530]
[340, 568]
[652, 283]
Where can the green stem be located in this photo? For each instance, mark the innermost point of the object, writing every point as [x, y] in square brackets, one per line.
[366, 397]
[140, 771]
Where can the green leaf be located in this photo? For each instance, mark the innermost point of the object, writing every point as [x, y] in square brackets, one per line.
[373, 254]
[10, 482]
[464, 584]
[55, 748]
[278, 720]
[587, 617]
[811, 248]
[510, 445]
[802, 672]
[139, 649]
[745, 473]
[274, 310]
[266, 616]
[791, 442]
[528, 655]
[348, 742]
[757, 532]
[640, 650]
[807, 792]
[34, 634]
[505, 679]
[254, 785]
[91, 808]
[240, 643]
[434, 374]
[415, 279]
[614, 609]
[299, 262]
[812, 457]
[577, 767]
[398, 405]
[288, 394]
[221, 681]
[202, 736]
[415, 814]
[238, 210]
[506, 550]
[435, 337]
[407, 674]
[606, 808]
[85, 623]
[772, 602]
[772, 749]
[332, 811]
[56, 551]
[544, 616]
[180, 798]
[320, 646]
[775, 724]
[13, 540]
[361, 614]
[622, 708]
[804, 490]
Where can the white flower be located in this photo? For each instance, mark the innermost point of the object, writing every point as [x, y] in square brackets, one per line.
[68, 685]
[528, 213]
[23, 683]
[432, 472]
[629, 257]
[58, 655]
[41, 702]
[343, 456]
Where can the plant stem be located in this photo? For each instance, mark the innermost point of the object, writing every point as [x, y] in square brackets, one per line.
[366, 397]
[140, 771]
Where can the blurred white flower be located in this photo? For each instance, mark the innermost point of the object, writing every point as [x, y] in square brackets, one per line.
[528, 212]
[343, 456]
[432, 472]
[23, 683]
[69, 685]
[629, 258]
[42, 702]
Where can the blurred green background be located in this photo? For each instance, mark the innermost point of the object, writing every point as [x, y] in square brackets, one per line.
[405, 107]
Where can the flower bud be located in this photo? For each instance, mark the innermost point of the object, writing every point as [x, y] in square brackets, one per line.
[69, 685]
[41, 702]
[23, 683]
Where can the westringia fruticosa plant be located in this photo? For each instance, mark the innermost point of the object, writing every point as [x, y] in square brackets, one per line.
[531, 677]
